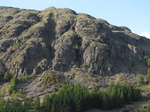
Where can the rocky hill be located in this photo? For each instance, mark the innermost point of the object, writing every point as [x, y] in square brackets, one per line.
[32, 42]
[75, 46]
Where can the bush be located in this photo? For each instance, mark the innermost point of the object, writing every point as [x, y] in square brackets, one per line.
[147, 60]
[7, 76]
[140, 79]
[85, 65]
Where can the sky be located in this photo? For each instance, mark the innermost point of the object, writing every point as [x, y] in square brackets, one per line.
[134, 14]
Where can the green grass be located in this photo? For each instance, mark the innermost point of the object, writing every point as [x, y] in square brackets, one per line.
[117, 31]
[6, 14]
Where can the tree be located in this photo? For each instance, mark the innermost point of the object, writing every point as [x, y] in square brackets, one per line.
[148, 109]
[148, 62]
[105, 101]
[47, 104]
[13, 85]
[37, 103]
[148, 75]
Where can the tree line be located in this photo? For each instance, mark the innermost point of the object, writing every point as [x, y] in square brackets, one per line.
[76, 98]
[16, 106]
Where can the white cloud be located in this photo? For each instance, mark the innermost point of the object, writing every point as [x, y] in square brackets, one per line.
[146, 34]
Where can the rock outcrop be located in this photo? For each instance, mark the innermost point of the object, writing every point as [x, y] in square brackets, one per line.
[32, 42]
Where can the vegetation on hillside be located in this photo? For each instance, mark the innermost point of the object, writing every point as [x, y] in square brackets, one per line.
[13, 85]
[147, 58]
[140, 79]
[76, 98]
[16, 106]
[7, 76]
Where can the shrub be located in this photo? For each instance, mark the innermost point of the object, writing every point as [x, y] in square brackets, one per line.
[140, 79]
[85, 65]
[7, 76]
[147, 60]
[74, 66]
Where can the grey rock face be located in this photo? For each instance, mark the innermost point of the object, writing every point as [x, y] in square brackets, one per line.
[2, 70]
[65, 52]
[32, 42]
[95, 56]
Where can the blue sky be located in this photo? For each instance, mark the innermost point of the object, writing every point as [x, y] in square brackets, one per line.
[134, 14]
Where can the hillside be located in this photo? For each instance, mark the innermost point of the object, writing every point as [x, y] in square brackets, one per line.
[35, 41]
[54, 45]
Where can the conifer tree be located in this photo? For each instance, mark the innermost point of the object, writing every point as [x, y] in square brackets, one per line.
[148, 62]
[37, 103]
[148, 76]
[13, 84]
[47, 104]
[148, 109]
[122, 98]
